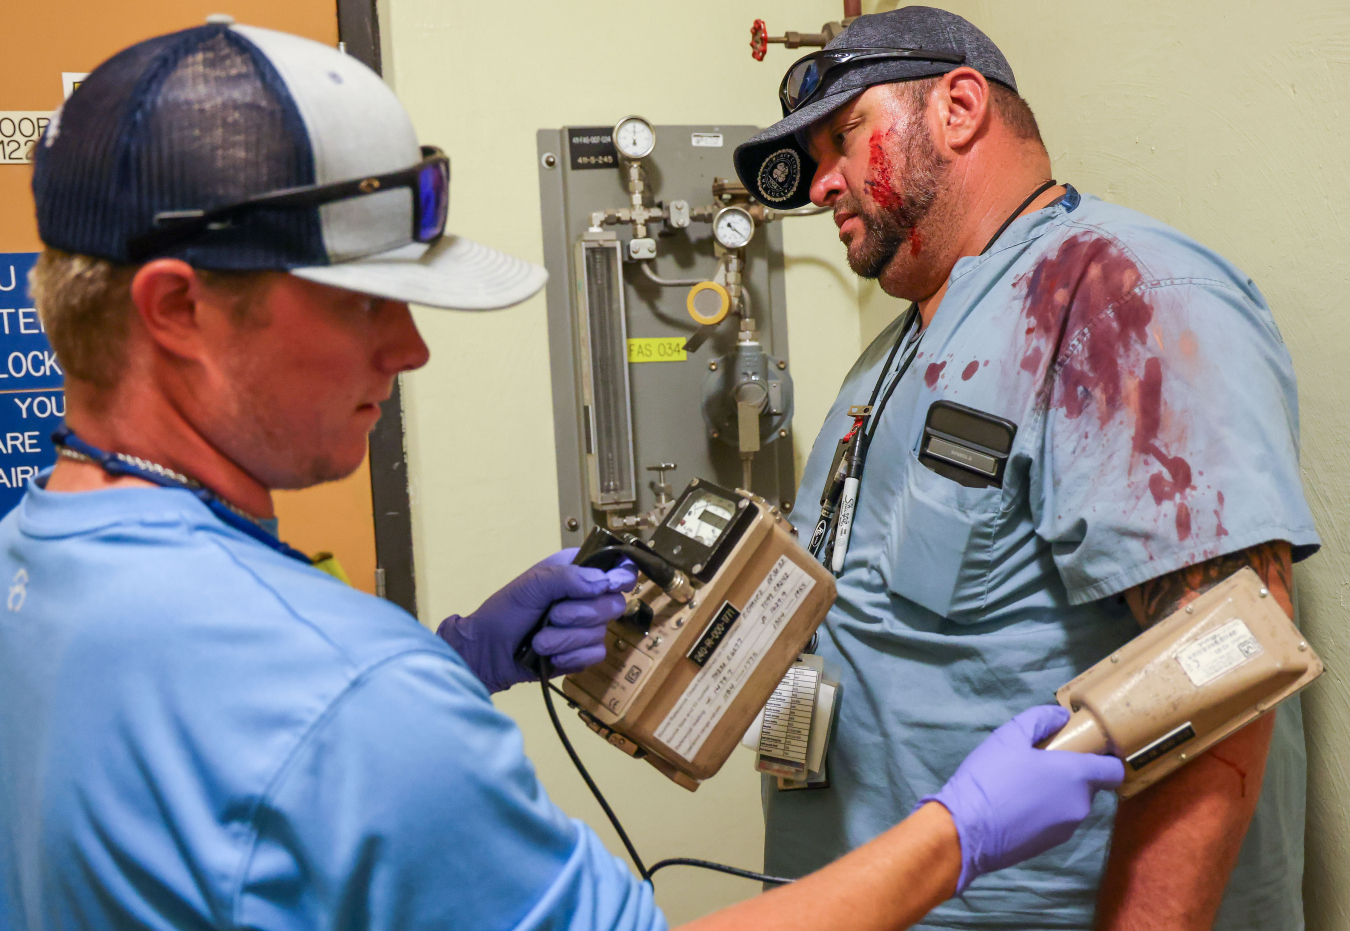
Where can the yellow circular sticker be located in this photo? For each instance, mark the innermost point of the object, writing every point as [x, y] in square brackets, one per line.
[708, 302]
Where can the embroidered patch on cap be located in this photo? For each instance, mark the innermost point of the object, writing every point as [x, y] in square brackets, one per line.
[780, 174]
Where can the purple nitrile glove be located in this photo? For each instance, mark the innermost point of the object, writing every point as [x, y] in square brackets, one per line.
[582, 600]
[1011, 801]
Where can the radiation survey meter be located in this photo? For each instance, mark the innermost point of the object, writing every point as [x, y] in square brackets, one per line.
[726, 601]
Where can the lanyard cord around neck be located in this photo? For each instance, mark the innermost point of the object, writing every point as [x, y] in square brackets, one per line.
[875, 417]
[119, 464]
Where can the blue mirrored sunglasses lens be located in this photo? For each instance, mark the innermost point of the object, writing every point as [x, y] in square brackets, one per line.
[804, 80]
[433, 192]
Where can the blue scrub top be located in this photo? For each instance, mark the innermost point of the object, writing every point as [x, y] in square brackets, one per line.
[198, 732]
[1157, 427]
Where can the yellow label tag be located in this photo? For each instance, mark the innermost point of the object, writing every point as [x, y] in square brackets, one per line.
[656, 349]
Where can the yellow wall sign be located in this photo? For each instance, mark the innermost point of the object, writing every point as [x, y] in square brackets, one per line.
[656, 349]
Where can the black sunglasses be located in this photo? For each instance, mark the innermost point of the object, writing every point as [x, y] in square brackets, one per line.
[805, 79]
[429, 180]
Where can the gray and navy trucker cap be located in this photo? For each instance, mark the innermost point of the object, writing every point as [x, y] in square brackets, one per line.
[774, 165]
[214, 114]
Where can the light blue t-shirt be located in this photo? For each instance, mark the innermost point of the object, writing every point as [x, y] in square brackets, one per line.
[1157, 427]
[199, 732]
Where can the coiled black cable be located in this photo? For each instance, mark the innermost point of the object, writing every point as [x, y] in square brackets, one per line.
[643, 871]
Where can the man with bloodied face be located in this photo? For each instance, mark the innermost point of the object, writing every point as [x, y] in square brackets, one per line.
[1150, 412]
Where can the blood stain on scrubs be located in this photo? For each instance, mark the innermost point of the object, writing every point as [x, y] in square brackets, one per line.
[1066, 302]
[1148, 423]
[933, 373]
[969, 371]
[1069, 291]
[1221, 530]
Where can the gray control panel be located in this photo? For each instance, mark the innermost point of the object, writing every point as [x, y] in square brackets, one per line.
[667, 325]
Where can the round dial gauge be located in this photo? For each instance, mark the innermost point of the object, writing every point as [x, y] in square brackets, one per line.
[733, 227]
[634, 137]
[705, 519]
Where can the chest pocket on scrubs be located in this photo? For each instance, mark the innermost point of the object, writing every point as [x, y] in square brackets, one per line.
[939, 544]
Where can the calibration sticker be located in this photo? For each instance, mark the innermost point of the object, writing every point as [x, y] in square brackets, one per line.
[734, 658]
[1218, 652]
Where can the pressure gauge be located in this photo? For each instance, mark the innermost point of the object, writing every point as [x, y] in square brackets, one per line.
[634, 138]
[733, 227]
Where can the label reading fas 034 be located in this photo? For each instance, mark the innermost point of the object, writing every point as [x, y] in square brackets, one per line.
[656, 349]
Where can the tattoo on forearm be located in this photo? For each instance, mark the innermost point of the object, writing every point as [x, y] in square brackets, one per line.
[1157, 598]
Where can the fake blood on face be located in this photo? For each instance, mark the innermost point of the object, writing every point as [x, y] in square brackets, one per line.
[882, 170]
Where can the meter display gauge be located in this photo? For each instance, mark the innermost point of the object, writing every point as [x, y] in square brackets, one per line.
[702, 528]
[634, 138]
[705, 518]
[733, 227]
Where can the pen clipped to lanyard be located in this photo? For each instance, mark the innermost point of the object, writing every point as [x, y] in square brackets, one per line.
[829, 541]
[839, 470]
[849, 498]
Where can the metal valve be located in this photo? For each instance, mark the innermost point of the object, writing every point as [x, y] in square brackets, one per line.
[662, 487]
[760, 38]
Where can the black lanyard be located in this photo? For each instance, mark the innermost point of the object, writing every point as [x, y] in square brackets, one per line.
[874, 416]
[859, 439]
[117, 464]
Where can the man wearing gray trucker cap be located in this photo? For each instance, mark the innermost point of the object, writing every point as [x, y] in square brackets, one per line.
[1135, 415]
[199, 729]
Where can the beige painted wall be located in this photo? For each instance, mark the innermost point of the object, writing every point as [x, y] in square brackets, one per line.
[480, 79]
[1227, 120]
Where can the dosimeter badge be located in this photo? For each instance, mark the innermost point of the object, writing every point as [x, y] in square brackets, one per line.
[682, 681]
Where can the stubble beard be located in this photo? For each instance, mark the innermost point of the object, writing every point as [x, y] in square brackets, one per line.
[886, 231]
[260, 442]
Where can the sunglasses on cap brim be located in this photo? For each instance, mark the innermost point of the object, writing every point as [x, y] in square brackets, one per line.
[429, 181]
[805, 80]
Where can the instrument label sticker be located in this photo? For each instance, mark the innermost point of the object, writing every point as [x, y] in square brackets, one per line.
[656, 349]
[715, 687]
[785, 738]
[713, 636]
[1161, 747]
[1218, 652]
[591, 147]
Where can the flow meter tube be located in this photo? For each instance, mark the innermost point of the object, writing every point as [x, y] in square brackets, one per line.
[602, 333]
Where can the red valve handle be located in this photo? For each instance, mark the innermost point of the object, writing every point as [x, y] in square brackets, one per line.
[759, 40]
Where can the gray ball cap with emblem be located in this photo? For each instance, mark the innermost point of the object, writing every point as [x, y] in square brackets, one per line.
[774, 166]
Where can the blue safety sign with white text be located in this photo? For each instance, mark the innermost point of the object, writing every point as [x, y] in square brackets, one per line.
[32, 402]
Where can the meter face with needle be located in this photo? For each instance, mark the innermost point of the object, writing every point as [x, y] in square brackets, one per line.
[634, 137]
[733, 228]
[705, 518]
